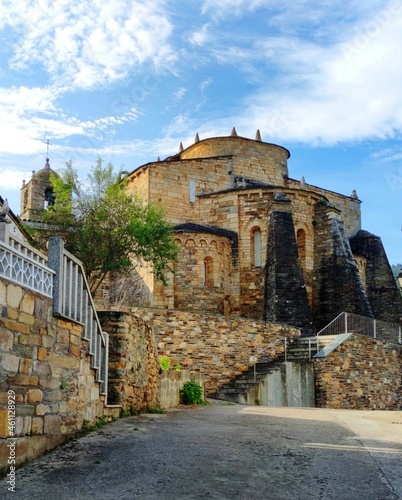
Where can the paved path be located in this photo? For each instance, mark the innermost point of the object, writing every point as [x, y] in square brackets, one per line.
[226, 452]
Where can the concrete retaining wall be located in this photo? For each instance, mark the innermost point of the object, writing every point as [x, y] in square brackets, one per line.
[171, 382]
[291, 384]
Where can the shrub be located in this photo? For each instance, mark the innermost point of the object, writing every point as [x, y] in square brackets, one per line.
[191, 393]
[164, 362]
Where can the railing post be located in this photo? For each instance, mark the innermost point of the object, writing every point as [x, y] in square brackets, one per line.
[400, 339]
[4, 232]
[286, 349]
[55, 262]
[346, 322]
[309, 349]
[375, 328]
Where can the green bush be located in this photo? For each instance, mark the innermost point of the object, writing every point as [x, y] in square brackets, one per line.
[191, 393]
[164, 362]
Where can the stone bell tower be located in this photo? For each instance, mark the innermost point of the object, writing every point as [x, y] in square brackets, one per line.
[37, 194]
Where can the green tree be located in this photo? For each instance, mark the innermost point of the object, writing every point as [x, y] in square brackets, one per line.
[106, 228]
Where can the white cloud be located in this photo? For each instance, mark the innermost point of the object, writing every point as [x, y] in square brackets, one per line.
[29, 116]
[87, 44]
[12, 178]
[348, 90]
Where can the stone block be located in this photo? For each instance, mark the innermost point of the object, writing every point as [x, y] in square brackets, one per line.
[24, 410]
[4, 432]
[49, 382]
[25, 366]
[9, 362]
[47, 341]
[12, 314]
[28, 304]
[34, 396]
[14, 296]
[63, 361]
[51, 424]
[26, 380]
[63, 337]
[25, 318]
[3, 293]
[42, 353]
[42, 368]
[37, 426]
[6, 340]
[42, 409]
[74, 351]
[52, 396]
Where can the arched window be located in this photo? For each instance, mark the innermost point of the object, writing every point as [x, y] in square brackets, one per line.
[301, 245]
[49, 198]
[256, 247]
[208, 271]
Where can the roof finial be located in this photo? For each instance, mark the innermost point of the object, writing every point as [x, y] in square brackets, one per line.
[181, 147]
[303, 183]
[258, 135]
[233, 132]
[197, 138]
[354, 195]
[158, 159]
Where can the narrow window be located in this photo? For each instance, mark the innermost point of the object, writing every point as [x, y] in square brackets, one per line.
[208, 271]
[301, 245]
[192, 191]
[256, 247]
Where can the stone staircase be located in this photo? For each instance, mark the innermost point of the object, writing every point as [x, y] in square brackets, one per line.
[304, 348]
[246, 388]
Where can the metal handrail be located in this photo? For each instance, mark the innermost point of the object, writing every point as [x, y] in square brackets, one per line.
[73, 300]
[347, 322]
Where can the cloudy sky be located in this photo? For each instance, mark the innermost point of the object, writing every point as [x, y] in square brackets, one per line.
[130, 80]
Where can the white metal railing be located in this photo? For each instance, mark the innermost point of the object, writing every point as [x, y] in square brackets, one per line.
[347, 322]
[60, 276]
[72, 299]
[27, 250]
[25, 269]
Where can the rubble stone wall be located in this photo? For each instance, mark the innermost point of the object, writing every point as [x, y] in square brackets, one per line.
[217, 346]
[45, 371]
[361, 374]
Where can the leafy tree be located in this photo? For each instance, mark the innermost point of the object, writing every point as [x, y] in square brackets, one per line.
[106, 228]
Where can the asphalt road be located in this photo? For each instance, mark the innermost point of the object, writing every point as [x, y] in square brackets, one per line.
[226, 451]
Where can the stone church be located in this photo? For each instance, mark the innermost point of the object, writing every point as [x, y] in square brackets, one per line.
[258, 244]
[254, 243]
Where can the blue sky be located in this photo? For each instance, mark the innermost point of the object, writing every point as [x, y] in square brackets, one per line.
[130, 80]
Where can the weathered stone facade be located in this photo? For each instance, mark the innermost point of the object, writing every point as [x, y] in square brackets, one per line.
[362, 373]
[37, 194]
[133, 363]
[232, 184]
[44, 361]
[216, 346]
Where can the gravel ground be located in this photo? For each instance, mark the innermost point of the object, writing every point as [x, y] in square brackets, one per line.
[226, 451]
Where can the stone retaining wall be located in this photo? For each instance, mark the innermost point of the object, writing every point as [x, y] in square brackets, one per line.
[362, 373]
[133, 362]
[44, 362]
[216, 346]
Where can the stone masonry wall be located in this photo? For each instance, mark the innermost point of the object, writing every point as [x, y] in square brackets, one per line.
[362, 373]
[216, 346]
[44, 361]
[337, 286]
[133, 363]
[285, 291]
